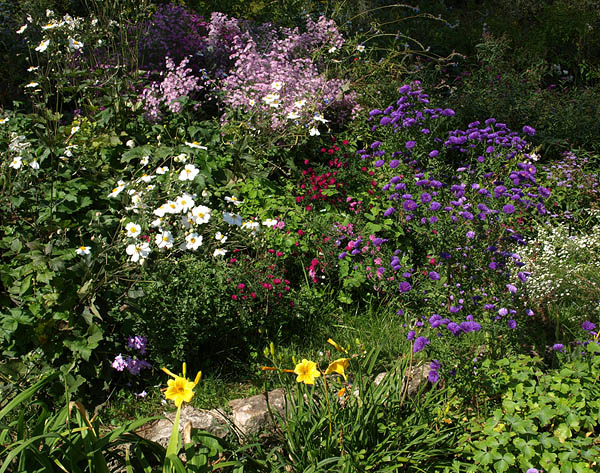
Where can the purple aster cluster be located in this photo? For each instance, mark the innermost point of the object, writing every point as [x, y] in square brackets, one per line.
[132, 364]
[434, 368]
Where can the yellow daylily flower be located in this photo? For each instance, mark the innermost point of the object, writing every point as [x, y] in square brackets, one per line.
[180, 388]
[307, 372]
[338, 366]
[337, 347]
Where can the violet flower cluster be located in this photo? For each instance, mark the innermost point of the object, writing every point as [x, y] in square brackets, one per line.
[132, 364]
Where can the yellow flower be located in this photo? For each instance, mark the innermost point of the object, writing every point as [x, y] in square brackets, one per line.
[180, 389]
[337, 347]
[338, 366]
[307, 372]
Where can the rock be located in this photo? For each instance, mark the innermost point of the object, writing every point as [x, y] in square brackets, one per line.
[251, 415]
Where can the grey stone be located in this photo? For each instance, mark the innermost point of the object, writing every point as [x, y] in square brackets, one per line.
[251, 416]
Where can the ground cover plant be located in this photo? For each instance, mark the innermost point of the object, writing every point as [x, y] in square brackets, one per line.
[323, 202]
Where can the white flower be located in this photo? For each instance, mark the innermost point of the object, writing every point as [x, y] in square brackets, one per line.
[172, 207]
[130, 143]
[51, 25]
[270, 222]
[193, 241]
[300, 103]
[32, 68]
[22, 29]
[43, 46]
[195, 144]
[34, 164]
[164, 240]
[293, 115]
[234, 201]
[252, 102]
[219, 252]
[220, 237]
[189, 173]
[272, 100]
[4, 120]
[180, 158]
[332, 49]
[133, 229]
[83, 250]
[49, 13]
[314, 131]
[360, 48]
[74, 44]
[138, 252]
[16, 163]
[187, 221]
[185, 201]
[319, 118]
[161, 211]
[250, 225]
[74, 130]
[117, 190]
[146, 178]
[277, 85]
[232, 219]
[201, 214]
[157, 223]
[144, 160]
[31, 85]
[162, 169]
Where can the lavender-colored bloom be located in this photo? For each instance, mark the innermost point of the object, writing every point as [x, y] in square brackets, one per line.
[470, 234]
[435, 206]
[374, 112]
[375, 144]
[119, 363]
[588, 326]
[533, 470]
[511, 288]
[379, 163]
[342, 255]
[435, 365]
[409, 205]
[512, 324]
[420, 344]
[528, 130]
[425, 197]
[433, 376]
[434, 153]
[138, 343]
[411, 335]
[508, 209]
[434, 276]
[410, 144]
[404, 287]
[503, 311]
[389, 212]
[454, 328]
[558, 347]
[394, 163]
[448, 112]
[385, 121]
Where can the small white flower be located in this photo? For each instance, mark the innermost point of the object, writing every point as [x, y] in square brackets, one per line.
[250, 225]
[319, 118]
[83, 250]
[146, 178]
[332, 49]
[195, 144]
[138, 252]
[43, 46]
[74, 130]
[220, 237]
[157, 223]
[188, 173]
[144, 160]
[32, 68]
[172, 207]
[133, 229]
[164, 240]
[234, 201]
[4, 120]
[272, 100]
[360, 48]
[51, 25]
[219, 252]
[300, 103]
[193, 241]
[314, 131]
[201, 214]
[16, 163]
[130, 143]
[34, 164]
[187, 221]
[22, 29]
[162, 169]
[252, 102]
[180, 158]
[232, 219]
[185, 201]
[270, 222]
[49, 13]
[31, 85]
[161, 211]
[117, 190]
[293, 115]
[74, 44]
[277, 85]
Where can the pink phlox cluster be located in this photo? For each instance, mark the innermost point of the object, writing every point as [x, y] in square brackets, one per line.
[286, 61]
[178, 83]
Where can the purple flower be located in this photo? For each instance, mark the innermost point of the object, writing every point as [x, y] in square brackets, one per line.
[503, 311]
[409, 205]
[434, 153]
[410, 144]
[389, 212]
[411, 335]
[119, 363]
[588, 326]
[420, 344]
[394, 163]
[558, 347]
[512, 324]
[434, 276]
[528, 130]
[404, 287]
[511, 288]
[508, 209]
[533, 470]
[470, 234]
[433, 376]
[138, 343]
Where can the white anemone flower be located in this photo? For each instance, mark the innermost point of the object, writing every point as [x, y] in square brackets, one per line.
[83, 250]
[4, 120]
[293, 115]
[220, 237]
[234, 200]
[117, 190]
[201, 214]
[277, 85]
[43, 46]
[195, 144]
[156, 223]
[188, 173]
[186, 202]
[319, 118]
[270, 222]
[161, 211]
[133, 229]
[144, 160]
[162, 170]
[188, 221]
[232, 219]
[314, 131]
[32, 68]
[164, 240]
[22, 29]
[74, 44]
[300, 103]
[360, 48]
[138, 252]
[172, 207]
[31, 85]
[219, 252]
[16, 162]
[34, 164]
[193, 241]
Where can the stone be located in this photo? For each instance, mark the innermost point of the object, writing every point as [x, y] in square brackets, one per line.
[251, 416]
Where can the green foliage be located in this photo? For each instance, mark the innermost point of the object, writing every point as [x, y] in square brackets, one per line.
[546, 420]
